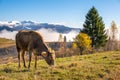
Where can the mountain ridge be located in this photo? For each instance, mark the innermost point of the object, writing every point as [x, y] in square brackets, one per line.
[30, 25]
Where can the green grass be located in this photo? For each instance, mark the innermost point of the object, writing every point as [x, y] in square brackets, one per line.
[99, 66]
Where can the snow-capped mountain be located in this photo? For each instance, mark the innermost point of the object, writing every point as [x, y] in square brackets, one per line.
[29, 25]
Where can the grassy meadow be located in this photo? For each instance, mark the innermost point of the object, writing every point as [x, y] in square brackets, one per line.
[98, 66]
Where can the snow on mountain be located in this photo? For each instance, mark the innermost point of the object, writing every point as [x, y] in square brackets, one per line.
[29, 25]
[10, 24]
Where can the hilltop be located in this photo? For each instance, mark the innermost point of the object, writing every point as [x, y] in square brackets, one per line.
[98, 66]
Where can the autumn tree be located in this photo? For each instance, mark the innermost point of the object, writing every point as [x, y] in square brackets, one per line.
[113, 37]
[95, 28]
[83, 42]
[114, 31]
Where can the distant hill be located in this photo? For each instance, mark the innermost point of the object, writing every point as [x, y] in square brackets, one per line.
[6, 42]
[29, 25]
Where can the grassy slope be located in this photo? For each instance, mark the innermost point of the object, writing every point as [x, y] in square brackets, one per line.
[99, 66]
[6, 42]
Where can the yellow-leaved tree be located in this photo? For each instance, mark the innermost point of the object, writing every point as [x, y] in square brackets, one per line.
[83, 42]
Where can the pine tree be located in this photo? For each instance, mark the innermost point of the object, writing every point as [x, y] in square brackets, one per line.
[95, 28]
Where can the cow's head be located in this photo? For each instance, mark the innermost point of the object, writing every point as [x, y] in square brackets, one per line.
[50, 57]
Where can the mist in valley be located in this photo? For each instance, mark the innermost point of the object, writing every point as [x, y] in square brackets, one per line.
[48, 35]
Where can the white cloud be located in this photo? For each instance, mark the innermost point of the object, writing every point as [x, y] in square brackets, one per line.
[8, 34]
[48, 35]
[70, 35]
[10, 24]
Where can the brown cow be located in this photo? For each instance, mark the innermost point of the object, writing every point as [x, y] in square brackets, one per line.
[32, 42]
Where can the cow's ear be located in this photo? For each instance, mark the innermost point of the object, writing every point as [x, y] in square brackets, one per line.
[44, 54]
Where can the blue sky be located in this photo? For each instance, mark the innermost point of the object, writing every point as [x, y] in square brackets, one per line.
[68, 12]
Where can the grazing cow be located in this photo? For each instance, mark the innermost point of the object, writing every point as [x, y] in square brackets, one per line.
[32, 42]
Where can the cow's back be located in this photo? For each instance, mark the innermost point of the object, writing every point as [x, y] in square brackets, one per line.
[25, 39]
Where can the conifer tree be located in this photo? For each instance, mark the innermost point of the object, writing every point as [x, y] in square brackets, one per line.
[95, 28]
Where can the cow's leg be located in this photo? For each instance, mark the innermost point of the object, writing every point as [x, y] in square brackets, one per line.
[18, 50]
[23, 58]
[35, 61]
[19, 59]
[30, 55]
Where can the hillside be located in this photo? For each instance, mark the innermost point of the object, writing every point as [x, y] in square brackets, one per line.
[6, 42]
[99, 66]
